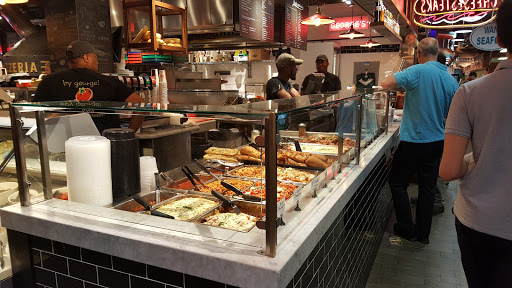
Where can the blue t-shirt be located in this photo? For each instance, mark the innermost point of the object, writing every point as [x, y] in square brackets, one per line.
[430, 89]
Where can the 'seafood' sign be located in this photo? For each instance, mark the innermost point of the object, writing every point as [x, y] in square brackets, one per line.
[454, 13]
[344, 23]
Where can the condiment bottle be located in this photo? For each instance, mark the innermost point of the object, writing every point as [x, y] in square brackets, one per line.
[254, 133]
[302, 130]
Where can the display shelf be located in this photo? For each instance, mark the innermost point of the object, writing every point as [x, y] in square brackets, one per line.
[156, 10]
[231, 62]
[383, 29]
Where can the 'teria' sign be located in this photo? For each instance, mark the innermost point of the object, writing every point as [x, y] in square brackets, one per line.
[454, 13]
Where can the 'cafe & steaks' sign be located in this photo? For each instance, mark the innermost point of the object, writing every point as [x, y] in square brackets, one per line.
[454, 13]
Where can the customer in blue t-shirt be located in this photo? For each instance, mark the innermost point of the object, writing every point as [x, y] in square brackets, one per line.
[430, 89]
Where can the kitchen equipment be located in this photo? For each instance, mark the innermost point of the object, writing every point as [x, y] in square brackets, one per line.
[190, 178]
[224, 137]
[125, 162]
[226, 201]
[297, 146]
[194, 175]
[200, 96]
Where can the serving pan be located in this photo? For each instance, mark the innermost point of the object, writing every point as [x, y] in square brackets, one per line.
[188, 195]
[256, 210]
[132, 206]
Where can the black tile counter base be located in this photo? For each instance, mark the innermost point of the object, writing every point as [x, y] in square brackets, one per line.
[343, 257]
[345, 254]
[56, 264]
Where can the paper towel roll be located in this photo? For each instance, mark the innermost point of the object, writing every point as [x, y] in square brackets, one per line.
[88, 170]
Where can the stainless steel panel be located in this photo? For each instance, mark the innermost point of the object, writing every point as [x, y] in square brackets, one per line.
[221, 11]
[198, 14]
[116, 13]
[201, 97]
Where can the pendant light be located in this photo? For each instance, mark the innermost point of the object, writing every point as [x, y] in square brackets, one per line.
[352, 33]
[370, 43]
[317, 19]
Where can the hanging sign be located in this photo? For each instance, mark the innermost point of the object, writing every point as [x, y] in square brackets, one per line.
[484, 37]
[345, 22]
[454, 13]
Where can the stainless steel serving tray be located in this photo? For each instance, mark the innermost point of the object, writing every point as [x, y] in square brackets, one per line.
[250, 208]
[312, 170]
[188, 195]
[132, 205]
[299, 186]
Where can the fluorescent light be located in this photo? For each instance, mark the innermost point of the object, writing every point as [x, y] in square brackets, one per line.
[502, 58]
[458, 40]
[504, 50]
[463, 31]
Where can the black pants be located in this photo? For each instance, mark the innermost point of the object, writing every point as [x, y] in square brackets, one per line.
[487, 260]
[423, 158]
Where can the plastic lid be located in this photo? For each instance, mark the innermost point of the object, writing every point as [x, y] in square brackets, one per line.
[119, 133]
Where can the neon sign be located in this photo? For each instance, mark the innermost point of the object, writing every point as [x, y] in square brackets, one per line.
[454, 13]
[344, 23]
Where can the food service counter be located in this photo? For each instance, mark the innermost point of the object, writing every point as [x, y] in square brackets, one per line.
[72, 243]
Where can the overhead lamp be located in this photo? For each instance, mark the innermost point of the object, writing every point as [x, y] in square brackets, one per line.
[3, 2]
[504, 50]
[317, 19]
[352, 33]
[370, 43]
[458, 40]
[502, 58]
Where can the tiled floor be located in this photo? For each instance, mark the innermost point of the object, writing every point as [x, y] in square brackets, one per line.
[414, 265]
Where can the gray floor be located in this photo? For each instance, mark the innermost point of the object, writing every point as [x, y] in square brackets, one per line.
[412, 265]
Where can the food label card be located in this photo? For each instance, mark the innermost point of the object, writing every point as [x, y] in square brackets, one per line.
[280, 208]
[297, 195]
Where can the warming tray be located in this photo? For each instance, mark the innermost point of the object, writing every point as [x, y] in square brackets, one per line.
[189, 195]
[310, 170]
[256, 210]
[132, 205]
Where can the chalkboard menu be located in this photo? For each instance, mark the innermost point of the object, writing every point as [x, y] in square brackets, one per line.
[295, 34]
[257, 19]
[87, 20]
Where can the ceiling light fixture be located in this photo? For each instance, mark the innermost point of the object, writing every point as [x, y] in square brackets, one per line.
[317, 19]
[463, 31]
[4, 2]
[504, 50]
[370, 43]
[352, 33]
[502, 58]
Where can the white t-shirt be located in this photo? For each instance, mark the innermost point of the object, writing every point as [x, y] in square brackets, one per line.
[482, 112]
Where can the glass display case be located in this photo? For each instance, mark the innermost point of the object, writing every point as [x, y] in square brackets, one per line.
[293, 147]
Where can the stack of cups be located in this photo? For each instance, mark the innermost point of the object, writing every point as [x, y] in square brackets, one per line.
[162, 88]
[155, 97]
[147, 173]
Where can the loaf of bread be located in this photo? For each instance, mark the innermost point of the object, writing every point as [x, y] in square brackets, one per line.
[321, 157]
[297, 156]
[140, 35]
[220, 157]
[243, 157]
[250, 151]
[314, 161]
[222, 151]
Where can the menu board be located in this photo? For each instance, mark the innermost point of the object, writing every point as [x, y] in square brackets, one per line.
[87, 20]
[257, 19]
[295, 34]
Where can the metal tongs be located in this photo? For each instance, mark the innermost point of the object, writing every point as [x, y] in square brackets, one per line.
[226, 201]
[227, 185]
[147, 207]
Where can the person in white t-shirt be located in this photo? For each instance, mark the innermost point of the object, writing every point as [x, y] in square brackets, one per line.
[481, 111]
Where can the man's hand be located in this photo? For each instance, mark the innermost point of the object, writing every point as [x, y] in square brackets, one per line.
[138, 119]
[389, 83]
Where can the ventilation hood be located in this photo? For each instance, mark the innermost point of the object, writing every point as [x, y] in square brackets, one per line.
[214, 24]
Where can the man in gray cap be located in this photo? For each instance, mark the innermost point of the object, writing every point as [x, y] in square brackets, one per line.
[82, 82]
[279, 87]
[331, 81]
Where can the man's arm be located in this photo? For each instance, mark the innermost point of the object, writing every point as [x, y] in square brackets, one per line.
[294, 93]
[389, 83]
[283, 94]
[453, 164]
[138, 119]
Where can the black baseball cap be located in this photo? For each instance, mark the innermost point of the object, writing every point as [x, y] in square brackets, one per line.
[79, 48]
[321, 57]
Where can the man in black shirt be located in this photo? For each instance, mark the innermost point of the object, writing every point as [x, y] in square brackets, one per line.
[331, 82]
[82, 82]
[279, 87]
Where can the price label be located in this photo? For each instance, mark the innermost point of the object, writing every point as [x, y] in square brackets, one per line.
[315, 183]
[297, 195]
[334, 168]
[280, 208]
